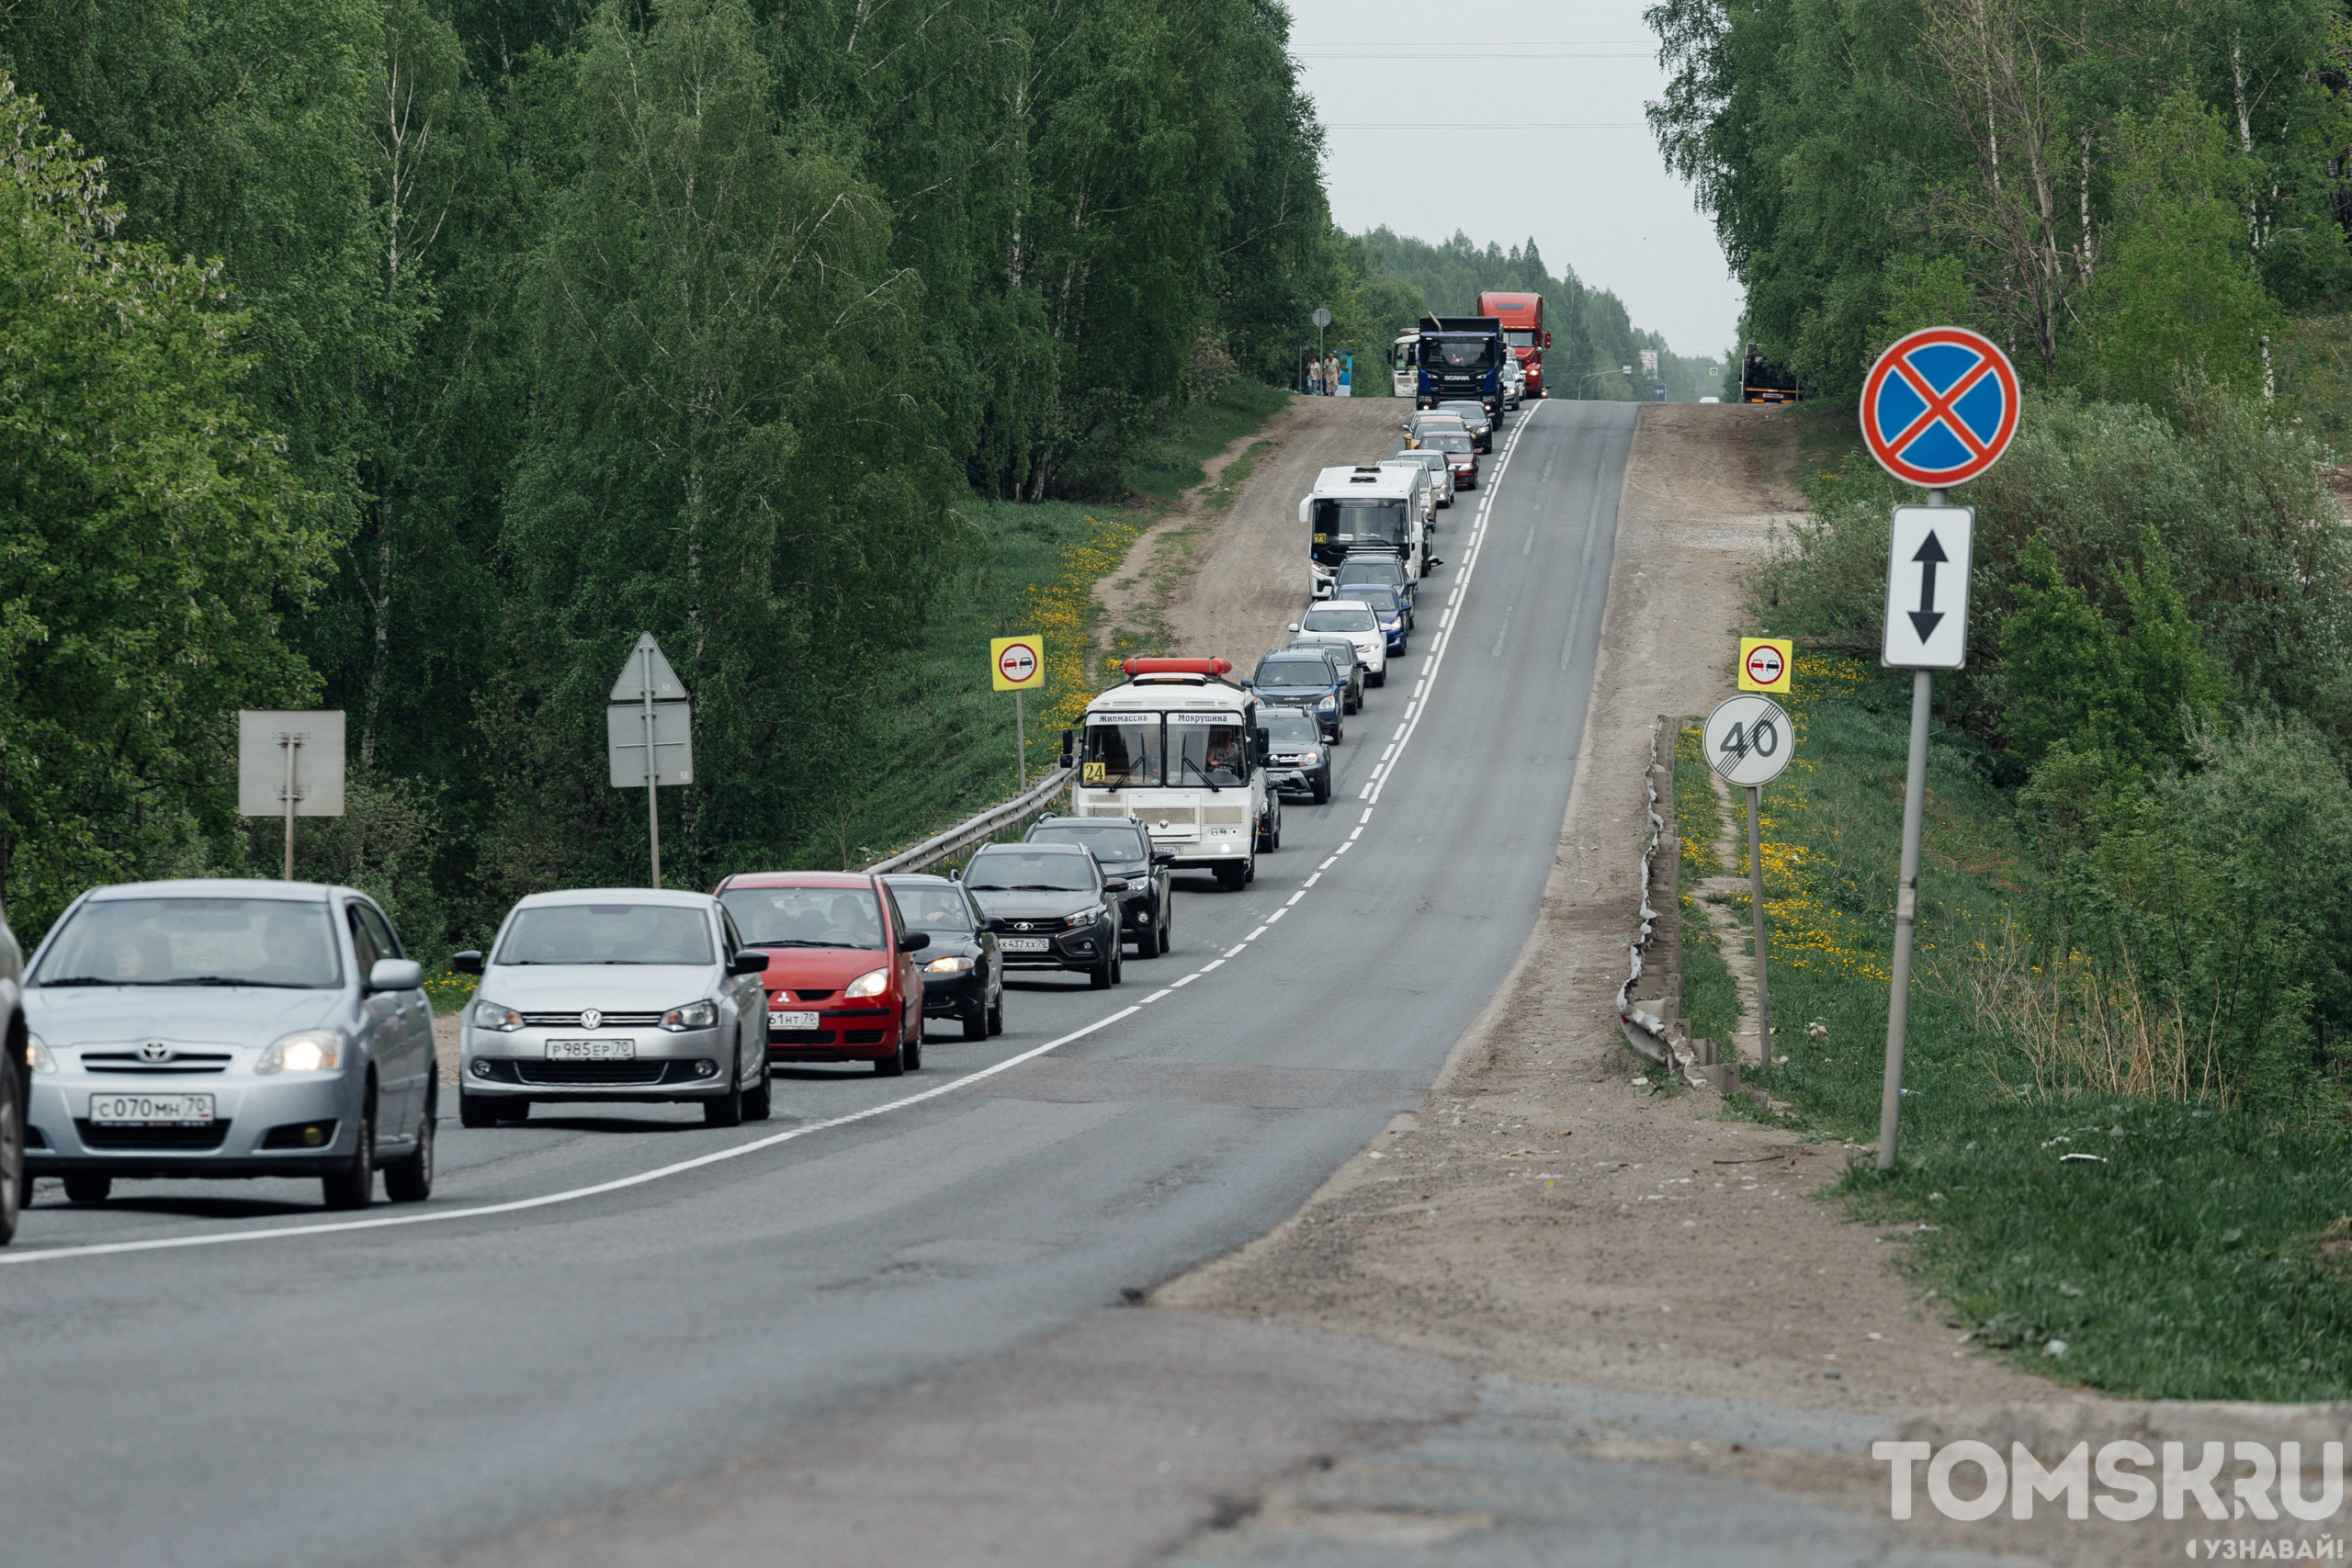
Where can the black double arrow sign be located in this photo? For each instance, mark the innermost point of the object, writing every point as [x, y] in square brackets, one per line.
[1931, 555]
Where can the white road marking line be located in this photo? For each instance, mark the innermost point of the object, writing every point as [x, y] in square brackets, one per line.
[1277, 914]
[1188, 979]
[1313, 879]
[1212, 963]
[1155, 996]
[1504, 632]
[1296, 897]
[1343, 849]
[1262, 930]
[1326, 866]
[716, 1156]
[1385, 755]
[1356, 833]
[1365, 818]
[1235, 949]
[1400, 733]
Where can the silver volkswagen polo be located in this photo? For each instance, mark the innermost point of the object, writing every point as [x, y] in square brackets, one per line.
[615, 994]
[220, 1029]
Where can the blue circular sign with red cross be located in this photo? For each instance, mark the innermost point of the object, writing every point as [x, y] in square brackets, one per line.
[1940, 407]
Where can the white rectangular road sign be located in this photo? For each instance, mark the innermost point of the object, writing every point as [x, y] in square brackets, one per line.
[674, 749]
[1926, 588]
[261, 737]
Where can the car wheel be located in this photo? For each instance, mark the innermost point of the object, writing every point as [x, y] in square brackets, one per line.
[1322, 793]
[511, 1112]
[1379, 677]
[1167, 919]
[893, 1065]
[1250, 871]
[12, 1140]
[89, 1188]
[914, 1051]
[353, 1187]
[477, 1111]
[1105, 975]
[996, 1018]
[759, 1102]
[726, 1110]
[976, 1026]
[409, 1179]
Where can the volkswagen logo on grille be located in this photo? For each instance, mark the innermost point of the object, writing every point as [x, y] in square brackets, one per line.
[154, 1051]
[592, 1018]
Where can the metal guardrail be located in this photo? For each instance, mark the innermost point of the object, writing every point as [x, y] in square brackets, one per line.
[972, 830]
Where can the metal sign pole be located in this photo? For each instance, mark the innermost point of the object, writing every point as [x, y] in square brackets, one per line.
[1755, 903]
[1020, 742]
[652, 774]
[290, 745]
[1907, 907]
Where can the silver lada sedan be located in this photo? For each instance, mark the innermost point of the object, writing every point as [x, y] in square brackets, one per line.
[615, 994]
[230, 1028]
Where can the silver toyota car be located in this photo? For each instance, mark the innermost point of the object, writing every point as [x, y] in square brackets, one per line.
[615, 994]
[220, 1029]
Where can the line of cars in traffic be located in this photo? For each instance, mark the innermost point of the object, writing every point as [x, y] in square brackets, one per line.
[214, 1028]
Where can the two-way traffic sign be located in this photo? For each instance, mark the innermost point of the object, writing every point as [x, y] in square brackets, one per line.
[1926, 588]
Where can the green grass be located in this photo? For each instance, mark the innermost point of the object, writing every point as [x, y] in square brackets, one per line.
[1171, 462]
[2183, 1262]
[1710, 995]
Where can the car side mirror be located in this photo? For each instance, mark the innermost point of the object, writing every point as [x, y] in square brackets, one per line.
[913, 941]
[748, 962]
[1163, 857]
[1114, 885]
[466, 963]
[1069, 747]
[1294, 626]
[396, 974]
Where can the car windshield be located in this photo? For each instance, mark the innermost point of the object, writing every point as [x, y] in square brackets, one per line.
[1289, 731]
[1112, 843]
[1452, 444]
[1294, 672]
[934, 907]
[1459, 353]
[1338, 621]
[1122, 752]
[1472, 415]
[607, 933]
[806, 916]
[1382, 598]
[1013, 869]
[195, 941]
[1519, 340]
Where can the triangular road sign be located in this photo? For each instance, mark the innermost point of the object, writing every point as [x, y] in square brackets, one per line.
[630, 687]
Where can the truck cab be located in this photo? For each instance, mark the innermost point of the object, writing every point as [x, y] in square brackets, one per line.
[1462, 357]
[1182, 750]
[1375, 509]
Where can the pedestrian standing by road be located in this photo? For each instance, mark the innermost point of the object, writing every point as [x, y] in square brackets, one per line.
[1331, 375]
[1314, 377]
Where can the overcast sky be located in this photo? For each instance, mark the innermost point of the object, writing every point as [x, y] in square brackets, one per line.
[1469, 149]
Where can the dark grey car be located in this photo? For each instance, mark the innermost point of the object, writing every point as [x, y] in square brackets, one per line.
[1475, 418]
[218, 1028]
[963, 973]
[1050, 907]
[1121, 845]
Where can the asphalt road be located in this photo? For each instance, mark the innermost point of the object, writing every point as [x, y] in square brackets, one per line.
[224, 1374]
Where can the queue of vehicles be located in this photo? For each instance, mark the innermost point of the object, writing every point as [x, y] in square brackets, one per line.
[210, 1029]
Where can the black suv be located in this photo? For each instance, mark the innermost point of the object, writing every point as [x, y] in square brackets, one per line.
[1121, 845]
[1050, 907]
[1305, 678]
[1297, 758]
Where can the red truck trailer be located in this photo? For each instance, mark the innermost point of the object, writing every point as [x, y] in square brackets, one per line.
[1523, 319]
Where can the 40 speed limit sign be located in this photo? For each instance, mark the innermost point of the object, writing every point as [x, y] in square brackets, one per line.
[1749, 740]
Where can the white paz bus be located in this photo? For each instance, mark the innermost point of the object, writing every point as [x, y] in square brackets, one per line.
[1181, 749]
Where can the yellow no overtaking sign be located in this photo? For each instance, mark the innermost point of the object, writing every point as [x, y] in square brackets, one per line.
[1767, 664]
[1017, 663]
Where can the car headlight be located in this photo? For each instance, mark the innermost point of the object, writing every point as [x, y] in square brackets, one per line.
[490, 1015]
[37, 1054]
[1326, 702]
[872, 983]
[694, 1015]
[952, 964]
[304, 1051]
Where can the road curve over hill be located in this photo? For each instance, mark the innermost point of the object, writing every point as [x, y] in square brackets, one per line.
[225, 1375]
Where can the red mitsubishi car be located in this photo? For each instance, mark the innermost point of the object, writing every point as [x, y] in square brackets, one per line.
[841, 979]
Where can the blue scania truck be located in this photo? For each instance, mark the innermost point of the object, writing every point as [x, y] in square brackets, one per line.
[1462, 360]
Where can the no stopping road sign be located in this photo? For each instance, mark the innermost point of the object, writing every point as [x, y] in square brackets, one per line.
[1940, 407]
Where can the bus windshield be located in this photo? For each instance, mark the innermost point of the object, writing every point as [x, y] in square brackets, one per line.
[1207, 748]
[1343, 525]
[1122, 751]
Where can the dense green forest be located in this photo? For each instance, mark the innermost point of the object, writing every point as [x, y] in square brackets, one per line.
[2147, 206]
[410, 357]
